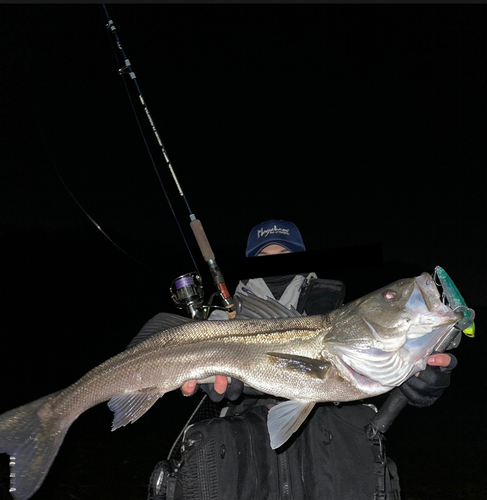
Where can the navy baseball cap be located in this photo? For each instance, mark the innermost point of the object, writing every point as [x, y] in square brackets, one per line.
[274, 232]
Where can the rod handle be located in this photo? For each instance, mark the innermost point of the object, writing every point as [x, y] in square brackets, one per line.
[202, 240]
[209, 256]
[394, 404]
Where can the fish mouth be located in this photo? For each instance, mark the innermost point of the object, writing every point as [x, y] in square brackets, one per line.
[425, 301]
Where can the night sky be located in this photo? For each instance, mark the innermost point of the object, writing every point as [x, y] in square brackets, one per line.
[363, 124]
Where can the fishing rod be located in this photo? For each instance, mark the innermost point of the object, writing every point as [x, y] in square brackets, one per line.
[186, 290]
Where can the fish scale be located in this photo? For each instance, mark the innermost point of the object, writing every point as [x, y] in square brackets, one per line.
[301, 359]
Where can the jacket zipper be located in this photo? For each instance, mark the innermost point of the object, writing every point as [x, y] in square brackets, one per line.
[248, 432]
[284, 475]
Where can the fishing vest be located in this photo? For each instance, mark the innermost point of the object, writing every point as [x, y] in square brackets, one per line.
[224, 452]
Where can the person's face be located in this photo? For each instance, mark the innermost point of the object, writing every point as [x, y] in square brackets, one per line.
[272, 250]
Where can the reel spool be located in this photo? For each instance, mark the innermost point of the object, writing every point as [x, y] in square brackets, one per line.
[187, 293]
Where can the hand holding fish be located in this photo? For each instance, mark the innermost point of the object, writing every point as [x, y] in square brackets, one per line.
[360, 350]
[220, 386]
[221, 381]
[440, 359]
[428, 385]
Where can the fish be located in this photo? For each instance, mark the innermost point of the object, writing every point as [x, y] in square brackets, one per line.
[360, 350]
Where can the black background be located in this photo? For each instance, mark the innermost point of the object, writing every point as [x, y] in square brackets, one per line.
[363, 124]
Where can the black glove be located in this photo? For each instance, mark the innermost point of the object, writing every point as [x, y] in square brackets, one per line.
[429, 385]
[233, 392]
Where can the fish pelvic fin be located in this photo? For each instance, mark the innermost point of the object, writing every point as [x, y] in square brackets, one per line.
[128, 408]
[31, 435]
[285, 419]
[313, 367]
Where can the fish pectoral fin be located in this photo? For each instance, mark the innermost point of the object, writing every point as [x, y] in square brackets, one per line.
[285, 418]
[316, 368]
[127, 408]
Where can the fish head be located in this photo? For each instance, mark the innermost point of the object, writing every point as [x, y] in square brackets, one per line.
[392, 331]
[404, 310]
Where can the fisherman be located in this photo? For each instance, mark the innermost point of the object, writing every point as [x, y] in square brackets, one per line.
[332, 457]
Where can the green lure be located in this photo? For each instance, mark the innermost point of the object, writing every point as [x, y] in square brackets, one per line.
[455, 300]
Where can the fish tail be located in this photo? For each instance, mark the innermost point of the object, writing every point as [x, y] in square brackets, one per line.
[31, 435]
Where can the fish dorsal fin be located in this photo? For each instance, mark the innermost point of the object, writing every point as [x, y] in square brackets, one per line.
[253, 307]
[127, 408]
[159, 323]
[285, 418]
[316, 368]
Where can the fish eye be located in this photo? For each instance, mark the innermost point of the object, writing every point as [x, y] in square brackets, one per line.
[390, 295]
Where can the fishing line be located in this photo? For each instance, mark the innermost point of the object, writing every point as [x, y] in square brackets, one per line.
[40, 129]
[128, 70]
[90, 218]
[159, 176]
